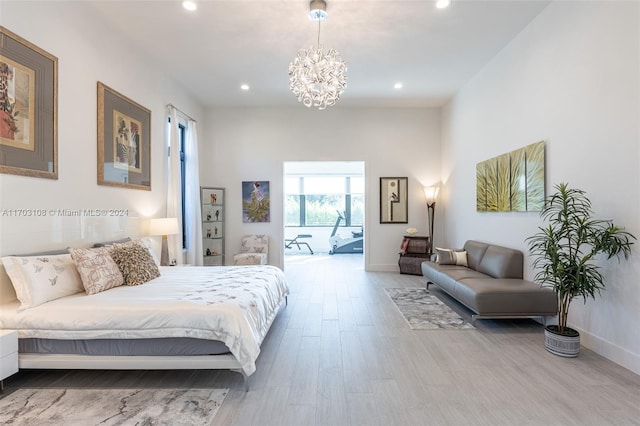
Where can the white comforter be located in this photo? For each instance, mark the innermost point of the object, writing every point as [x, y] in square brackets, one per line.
[235, 305]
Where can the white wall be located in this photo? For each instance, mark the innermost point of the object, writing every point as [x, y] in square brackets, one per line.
[88, 51]
[253, 143]
[570, 78]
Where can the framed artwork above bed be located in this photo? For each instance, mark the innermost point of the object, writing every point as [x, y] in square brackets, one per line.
[28, 108]
[124, 141]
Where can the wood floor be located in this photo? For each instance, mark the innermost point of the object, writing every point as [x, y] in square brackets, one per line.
[341, 354]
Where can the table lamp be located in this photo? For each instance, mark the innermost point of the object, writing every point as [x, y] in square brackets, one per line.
[164, 226]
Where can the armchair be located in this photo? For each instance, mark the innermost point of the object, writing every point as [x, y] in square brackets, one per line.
[254, 249]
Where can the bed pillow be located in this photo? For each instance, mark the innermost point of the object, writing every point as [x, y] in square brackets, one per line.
[146, 242]
[135, 262]
[97, 269]
[451, 257]
[39, 279]
[112, 242]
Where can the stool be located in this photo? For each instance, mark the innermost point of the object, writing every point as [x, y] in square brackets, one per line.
[289, 243]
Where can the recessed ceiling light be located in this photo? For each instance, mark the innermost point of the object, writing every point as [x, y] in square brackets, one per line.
[189, 5]
[398, 85]
[244, 87]
[441, 4]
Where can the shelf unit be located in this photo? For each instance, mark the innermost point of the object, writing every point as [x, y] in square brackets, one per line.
[212, 202]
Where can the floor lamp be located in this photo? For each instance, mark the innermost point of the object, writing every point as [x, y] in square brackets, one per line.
[164, 226]
[430, 194]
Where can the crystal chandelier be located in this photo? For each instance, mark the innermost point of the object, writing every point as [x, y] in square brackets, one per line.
[317, 77]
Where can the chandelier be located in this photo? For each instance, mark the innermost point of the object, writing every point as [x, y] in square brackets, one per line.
[317, 77]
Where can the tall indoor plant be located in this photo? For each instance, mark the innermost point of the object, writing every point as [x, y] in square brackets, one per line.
[564, 253]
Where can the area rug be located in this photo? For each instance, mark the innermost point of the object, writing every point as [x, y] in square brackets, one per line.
[111, 406]
[424, 311]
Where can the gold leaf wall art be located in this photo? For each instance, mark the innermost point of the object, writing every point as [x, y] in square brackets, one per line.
[518, 193]
[492, 184]
[504, 183]
[535, 176]
[513, 181]
[481, 186]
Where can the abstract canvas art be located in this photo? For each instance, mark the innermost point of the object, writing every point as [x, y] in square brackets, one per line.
[512, 182]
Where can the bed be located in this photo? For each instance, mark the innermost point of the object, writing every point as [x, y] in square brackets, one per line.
[187, 318]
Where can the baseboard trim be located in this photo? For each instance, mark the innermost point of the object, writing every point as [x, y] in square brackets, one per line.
[610, 350]
[383, 268]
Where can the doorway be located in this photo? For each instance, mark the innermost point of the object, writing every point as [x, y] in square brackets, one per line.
[324, 208]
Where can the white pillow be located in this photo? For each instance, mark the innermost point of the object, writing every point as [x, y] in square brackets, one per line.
[451, 257]
[39, 279]
[146, 242]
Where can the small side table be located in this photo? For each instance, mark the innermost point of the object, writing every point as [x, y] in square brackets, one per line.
[413, 251]
[8, 354]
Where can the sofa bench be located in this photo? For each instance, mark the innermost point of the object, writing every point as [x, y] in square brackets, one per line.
[492, 283]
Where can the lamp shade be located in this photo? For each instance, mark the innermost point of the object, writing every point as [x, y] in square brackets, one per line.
[164, 226]
[430, 193]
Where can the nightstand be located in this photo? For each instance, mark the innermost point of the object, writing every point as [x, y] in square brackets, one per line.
[8, 354]
[414, 251]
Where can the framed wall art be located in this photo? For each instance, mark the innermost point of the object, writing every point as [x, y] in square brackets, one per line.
[124, 141]
[28, 108]
[255, 201]
[512, 182]
[393, 200]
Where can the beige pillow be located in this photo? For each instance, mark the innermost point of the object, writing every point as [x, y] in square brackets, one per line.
[98, 270]
[135, 262]
[451, 257]
[39, 279]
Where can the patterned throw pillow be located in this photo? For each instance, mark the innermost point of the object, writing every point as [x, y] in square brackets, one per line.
[404, 245]
[451, 257]
[39, 279]
[135, 262]
[98, 270]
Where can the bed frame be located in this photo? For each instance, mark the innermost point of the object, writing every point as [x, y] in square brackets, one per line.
[93, 362]
[96, 362]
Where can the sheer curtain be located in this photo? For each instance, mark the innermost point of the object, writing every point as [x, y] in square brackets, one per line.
[174, 192]
[193, 222]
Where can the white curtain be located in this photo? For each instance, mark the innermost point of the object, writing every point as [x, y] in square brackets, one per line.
[174, 192]
[193, 216]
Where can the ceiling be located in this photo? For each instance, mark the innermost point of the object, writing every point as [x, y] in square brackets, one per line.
[226, 43]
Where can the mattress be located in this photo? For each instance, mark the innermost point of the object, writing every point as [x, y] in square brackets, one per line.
[233, 304]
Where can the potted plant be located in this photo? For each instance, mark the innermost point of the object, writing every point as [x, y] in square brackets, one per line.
[564, 255]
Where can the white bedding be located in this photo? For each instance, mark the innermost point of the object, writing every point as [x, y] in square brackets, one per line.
[235, 305]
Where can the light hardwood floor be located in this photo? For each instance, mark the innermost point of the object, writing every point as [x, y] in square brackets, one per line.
[341, 354]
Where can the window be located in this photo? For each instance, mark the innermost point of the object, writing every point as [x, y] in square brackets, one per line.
[182, 135]
[315, 200]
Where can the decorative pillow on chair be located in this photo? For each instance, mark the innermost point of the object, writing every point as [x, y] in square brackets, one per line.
[98, 270]
[404, 245]
[451, 257]
[39, 279]
[135, 262]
